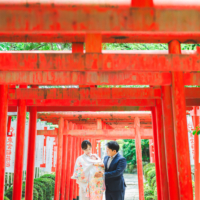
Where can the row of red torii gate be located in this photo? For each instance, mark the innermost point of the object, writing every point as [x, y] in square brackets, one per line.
[166, 74]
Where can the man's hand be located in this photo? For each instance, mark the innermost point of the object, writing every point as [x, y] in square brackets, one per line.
[98, 174]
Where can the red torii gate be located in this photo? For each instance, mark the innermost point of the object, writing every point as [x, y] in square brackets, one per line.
[105, 127]
[94, 25]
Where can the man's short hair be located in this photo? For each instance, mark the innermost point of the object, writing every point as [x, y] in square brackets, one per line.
[113, 145]
[85, 144]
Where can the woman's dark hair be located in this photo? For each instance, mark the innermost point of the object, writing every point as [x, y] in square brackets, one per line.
[85, 144]
[113, 145]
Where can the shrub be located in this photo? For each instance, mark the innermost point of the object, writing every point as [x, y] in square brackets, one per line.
[153, 181]
[5, 198]
[150, 198]
[52, 185]
[146, 171]
[149, 165]
[148, 193]
[39, 191]
[47, 186]
[150, 175]
[9, 192]
[42, 186]
[155, 194]
[52, 176]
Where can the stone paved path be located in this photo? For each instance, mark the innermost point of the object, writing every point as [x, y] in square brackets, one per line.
[132, 192]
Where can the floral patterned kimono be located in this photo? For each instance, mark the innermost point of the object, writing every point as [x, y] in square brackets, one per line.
[90, 188]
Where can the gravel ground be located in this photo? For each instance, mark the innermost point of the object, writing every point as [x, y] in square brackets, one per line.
[132, 192]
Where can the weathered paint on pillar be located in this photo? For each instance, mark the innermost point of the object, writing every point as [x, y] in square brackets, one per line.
[139, 158]
[31, 153]
[180, 129]
[19, 150]
[169, 139]
[3, 134]
[155, 141]
[71, 192]
[79, 153]
[59, 159]
[161, 151]
[68, 167]
[196, 154]
[75, 157]
[64, 162]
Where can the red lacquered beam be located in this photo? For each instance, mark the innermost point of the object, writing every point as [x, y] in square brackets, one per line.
[85, 108]
[92, 93]
[126, 133]
[3, 135]
[49, 19]
[116, 61]
[88, 103]
[84, 78]
[180, 130]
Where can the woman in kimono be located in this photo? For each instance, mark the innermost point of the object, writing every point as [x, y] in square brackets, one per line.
[90, 187]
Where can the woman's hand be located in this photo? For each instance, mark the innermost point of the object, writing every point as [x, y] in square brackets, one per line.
[98, 174]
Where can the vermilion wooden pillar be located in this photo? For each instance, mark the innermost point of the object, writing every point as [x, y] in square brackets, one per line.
[79, 153]
[75, 156]
[139, 157]
[31, 152]
[19, 149]
[161, 151]
[196, 154]
[169, 139]
[64, 162]
[151, 152]
[154, 122]
[71, 192]
[3, 134]
[180, 129]
[59, 159]
[68, 167]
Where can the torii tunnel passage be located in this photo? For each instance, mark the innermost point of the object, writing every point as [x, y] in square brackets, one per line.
[165, 72]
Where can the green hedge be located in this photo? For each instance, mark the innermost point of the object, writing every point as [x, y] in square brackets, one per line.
[52, 185]
[5, 198]
[150, 185]
[52, 176]
[39, 191]
[9, 192]
[48, 186]
[42, 186]
[150, 175]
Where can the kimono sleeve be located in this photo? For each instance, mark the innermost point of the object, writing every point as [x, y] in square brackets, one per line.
[79, 173]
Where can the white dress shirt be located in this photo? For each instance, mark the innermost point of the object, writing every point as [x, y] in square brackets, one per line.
[110, 160]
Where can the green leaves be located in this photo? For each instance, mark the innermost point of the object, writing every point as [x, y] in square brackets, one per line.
[196, 131]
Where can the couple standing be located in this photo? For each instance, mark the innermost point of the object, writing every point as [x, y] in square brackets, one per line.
[95, 176]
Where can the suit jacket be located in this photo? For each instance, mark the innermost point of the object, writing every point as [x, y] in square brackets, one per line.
[114, 179]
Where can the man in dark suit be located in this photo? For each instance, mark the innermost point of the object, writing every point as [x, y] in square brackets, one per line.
[115, 165]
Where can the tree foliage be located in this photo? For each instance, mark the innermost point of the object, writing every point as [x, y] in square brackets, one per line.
[129, 151]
